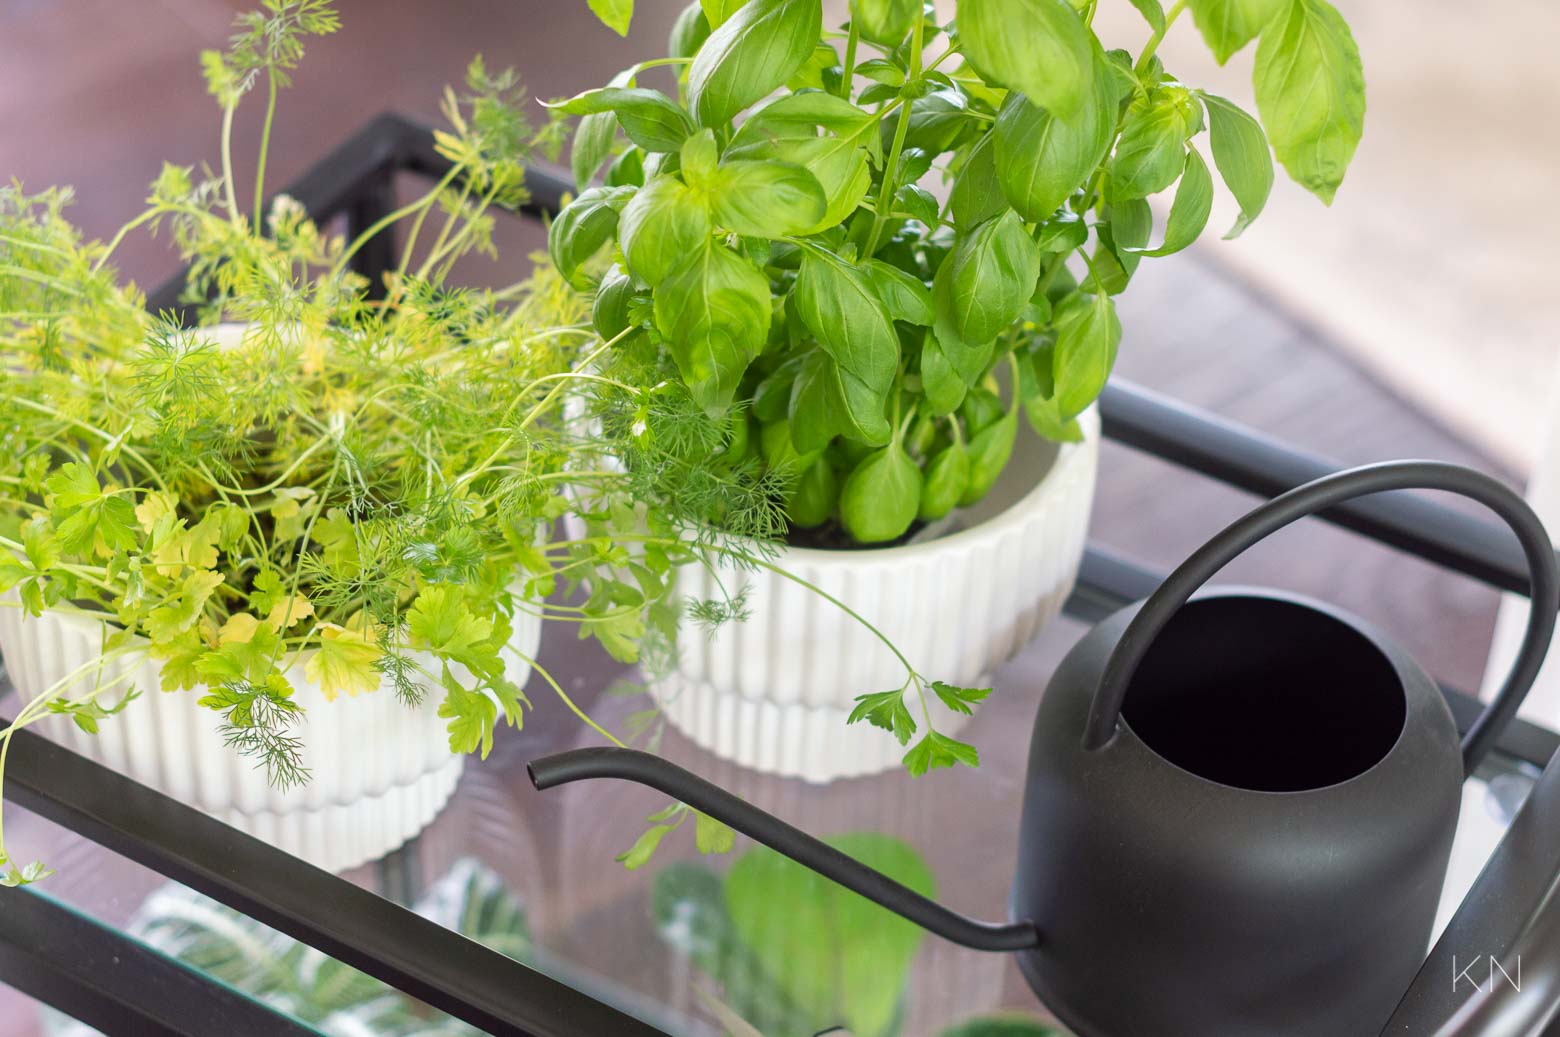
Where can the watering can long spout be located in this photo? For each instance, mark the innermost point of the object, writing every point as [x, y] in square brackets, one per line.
[647, 769]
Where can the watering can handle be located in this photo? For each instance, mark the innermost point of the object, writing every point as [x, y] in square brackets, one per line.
[1157, 610]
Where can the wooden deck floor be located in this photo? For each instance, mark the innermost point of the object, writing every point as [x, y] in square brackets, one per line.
[96, 93]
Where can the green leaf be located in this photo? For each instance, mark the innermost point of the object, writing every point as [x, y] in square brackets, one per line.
[840, 305]
[1152, 149]
[984, 283]
[1087, 334]
[1152, 13]
[881, 496]
[904, 295]
[441, 621]
[472, 717]
[1041, 159]
[662, 225]
[1040, 48]
[1240, 150]
[644, 847]
[813, 499]
[750, 55]
[990, 450]
[583, 226]
[960, 700]
[918, 202]
[717, 11]
[1311, 94]
[825, 945]
[766, 199]
[712, 836]
[947, 476]
[936, 750]
[344, 660]
[885, 22]
[1228, 25]
[1127, 226]
[1189, 213]
[943, 386]
[650, 119]
[615, 14]
[826, 401]
[885, 709]
[977, 191]
[714, 313]
[593, 139]
[689, 32]
[787, 130]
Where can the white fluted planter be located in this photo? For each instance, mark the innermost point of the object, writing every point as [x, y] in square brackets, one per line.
[773, 693]
[380, 771]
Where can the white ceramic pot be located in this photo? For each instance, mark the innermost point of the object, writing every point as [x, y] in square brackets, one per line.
[380, 771]
[773, 692]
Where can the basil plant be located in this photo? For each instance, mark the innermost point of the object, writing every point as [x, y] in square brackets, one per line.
[842, 239]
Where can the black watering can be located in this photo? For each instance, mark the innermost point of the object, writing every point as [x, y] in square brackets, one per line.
[1240, 803]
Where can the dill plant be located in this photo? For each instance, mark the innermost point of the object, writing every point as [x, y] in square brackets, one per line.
[363, 477]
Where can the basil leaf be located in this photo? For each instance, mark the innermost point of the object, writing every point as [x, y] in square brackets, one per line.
[766, 199]
[1152, 149]
[1311, 94]
[1041, 159]
[714, 314]
[827, 400]
[984, 283]
[780, 453]
[593, 139]
[1240, 150]
[886, 22]
[1228, 25]
[689, 32]
[583, 226]
[839, 305]
[717, 11]
[1087, 334]
[920, 203]
[1152, 13]
[942, 386]
[660, 227]
[812, 501]
[881, 496]
[1189, 212]
[1038, 47]
[1064, 232]
[947, 477]
[797, 117]
[977, 193]
[936, 122]
[651, 119]
[614, 14]
[990, 450]
[750, 55]
[787, 130]
[698, 157]
[904, 294]
[1127, 226]
[609, 310]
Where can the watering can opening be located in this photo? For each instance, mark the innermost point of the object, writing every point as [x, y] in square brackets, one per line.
[1266, 693]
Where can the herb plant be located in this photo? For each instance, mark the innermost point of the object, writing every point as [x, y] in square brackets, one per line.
[363, 479]
[845, 242]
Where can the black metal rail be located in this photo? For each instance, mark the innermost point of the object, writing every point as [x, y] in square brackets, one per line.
[113, 983]
[500, 995]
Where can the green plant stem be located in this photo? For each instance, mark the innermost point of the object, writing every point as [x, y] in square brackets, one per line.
[227, 160]
[265, 148]
[390, 220]
[1159, 34]
[891, 169]
[848, 71]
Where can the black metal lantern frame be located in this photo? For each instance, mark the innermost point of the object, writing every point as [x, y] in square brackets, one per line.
[113, 982]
